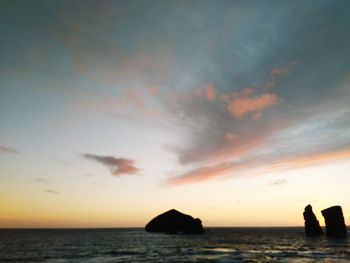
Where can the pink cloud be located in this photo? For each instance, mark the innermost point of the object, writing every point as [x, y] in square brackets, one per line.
[201, 174]
[280, 163]
[231, 137]
[210, 92]
[310, 159]
[207, 92]
[219, 136]
[278, 72]
[244, 102]
[117, 166]
[234, 147]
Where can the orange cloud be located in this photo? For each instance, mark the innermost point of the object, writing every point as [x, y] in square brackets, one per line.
[201, 174]
[210, 92]
[311, 159]
[245, 102]
[234, 146]
[279, 163]
[207, 93]
[235, 140]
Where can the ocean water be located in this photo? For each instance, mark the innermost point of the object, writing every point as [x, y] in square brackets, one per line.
[136, 245]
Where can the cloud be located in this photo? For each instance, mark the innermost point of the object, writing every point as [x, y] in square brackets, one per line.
[88, 175]
[201, 174]
[40, 180]
[244, 102]
[136, 67]
[207, 93]
[5, 149]
[278, 182]
[60, 161]
[117, 166]
[216, 129]
[265, 163]
[50, 191]
[281, 71]
[270, 83]
[224, 125]
[129, 102]
[310, 159]
[239, 123]
[277, 73]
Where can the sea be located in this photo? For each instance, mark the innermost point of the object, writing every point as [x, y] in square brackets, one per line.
[135, 245]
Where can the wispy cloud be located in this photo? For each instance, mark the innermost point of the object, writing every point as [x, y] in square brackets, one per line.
[279, 72]
[129, 102]
[50, 191]
[40, 180]
[60, 161]
[88, 175]
[5, 149]
[310, 159]
[117, 166]
[266, 163]
[278, 182]
[201, 174]
[284, 70]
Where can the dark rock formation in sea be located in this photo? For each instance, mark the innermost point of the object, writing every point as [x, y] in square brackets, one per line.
[174, 222]
[312, 226]
[335, 224]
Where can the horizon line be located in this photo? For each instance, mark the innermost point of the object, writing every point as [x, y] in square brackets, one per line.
[139, 227]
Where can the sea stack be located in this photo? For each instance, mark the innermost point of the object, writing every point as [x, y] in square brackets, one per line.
[312, 226]
[335, 224]
[174, 222]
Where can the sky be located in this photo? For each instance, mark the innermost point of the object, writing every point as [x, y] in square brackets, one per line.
[112, 112]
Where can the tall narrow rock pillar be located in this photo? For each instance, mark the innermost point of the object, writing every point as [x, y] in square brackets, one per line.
[312, 226]
[335, 224]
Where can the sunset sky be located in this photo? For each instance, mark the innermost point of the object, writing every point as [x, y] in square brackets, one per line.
[112, 112]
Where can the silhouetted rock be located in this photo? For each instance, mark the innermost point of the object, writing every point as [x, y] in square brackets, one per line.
[174, 222]
[312, 226]
[335, 225]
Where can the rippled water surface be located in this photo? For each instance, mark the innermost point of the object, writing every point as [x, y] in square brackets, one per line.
[135, 245]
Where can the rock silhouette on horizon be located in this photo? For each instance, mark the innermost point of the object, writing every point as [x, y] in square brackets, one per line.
[335, 224]
[174, 222]
[312, 226]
